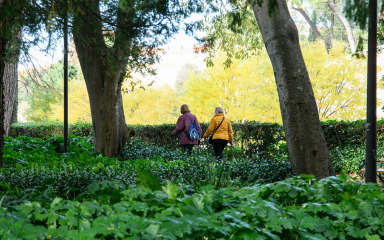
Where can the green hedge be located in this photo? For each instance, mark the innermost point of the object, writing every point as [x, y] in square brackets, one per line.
[253, 137]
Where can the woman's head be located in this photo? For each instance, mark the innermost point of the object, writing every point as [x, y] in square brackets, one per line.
[218, 110]
[184, 108]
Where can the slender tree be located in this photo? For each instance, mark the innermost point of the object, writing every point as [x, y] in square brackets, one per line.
[346, 24]
[307, 147]
[312, 23]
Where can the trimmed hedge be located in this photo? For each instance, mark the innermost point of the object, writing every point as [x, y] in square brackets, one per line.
[253, 137]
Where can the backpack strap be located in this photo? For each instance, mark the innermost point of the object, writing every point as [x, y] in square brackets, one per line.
[194, 117]
[217, 127]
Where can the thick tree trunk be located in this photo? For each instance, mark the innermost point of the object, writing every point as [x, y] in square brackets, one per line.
[10, 93]
[307, 147]
[345, 22]
[102, 73]
[290, 6]
[109, 128]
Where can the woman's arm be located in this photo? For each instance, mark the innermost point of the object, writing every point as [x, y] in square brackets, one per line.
[210, 129]
[179, 126]
[230, 132]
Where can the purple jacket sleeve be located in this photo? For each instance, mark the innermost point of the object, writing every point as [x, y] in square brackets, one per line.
[179, 126]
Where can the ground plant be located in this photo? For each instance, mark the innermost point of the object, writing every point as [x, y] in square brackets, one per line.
[153, 192]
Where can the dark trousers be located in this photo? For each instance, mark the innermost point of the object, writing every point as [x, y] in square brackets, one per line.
[188, 147]
[218, 147]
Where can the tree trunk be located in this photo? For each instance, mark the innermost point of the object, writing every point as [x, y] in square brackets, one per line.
[345, 22]
[102, 73]
[330, 42]
[310, 22]
[15, 105]
[307, 147]
[290, 6]
[10, 93]
[3, 47]
[2, 110]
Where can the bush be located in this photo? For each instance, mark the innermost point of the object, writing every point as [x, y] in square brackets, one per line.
[34, 165]
[297, 208]
[254, 138]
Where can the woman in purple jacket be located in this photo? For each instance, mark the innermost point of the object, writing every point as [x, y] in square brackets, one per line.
[182, 126]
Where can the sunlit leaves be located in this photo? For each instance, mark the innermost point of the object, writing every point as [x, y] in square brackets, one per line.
[338, 81]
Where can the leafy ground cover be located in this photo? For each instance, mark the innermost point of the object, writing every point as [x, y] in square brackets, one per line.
[151, 192]
[296, 208]
[40, 170]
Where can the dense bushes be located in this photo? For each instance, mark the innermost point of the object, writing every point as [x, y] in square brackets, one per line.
[34, 165]
[297, 208]
[346, 140]
[253, 137]
[154, 192]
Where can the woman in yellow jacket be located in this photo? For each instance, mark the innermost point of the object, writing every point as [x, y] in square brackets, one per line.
[221, 129]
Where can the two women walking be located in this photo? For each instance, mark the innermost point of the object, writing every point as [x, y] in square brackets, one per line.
[220, 128]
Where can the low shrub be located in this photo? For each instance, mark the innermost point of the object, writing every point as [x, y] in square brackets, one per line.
[297, 208]
[34, 166]
[347, 158]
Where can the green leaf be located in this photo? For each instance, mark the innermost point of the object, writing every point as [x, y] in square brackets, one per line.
[153, 229]
[148, 179]
[372, 237]
[357, 232]
[171, 190]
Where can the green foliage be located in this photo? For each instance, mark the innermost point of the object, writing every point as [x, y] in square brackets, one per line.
[260, 141]
[51, 129]
[265, 140]
[39, 170]
[380, 30]
[358, 11]
[233, 30]
[296, 208]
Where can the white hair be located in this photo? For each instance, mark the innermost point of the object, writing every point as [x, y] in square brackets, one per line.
[218, 110]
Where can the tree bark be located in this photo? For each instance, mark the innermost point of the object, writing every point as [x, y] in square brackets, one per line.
[345, 22]
[2, 133]
[330, 42]
[102, 73]
[3, 47]
[290, 6]
[307, 147]
[10, 93]
[15, 105]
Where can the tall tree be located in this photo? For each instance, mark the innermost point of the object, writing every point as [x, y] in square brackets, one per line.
[307, 147]
[306, 143]
[347, 26]
[312, 23]
[112, 38]
[14, 16]
[9, 27]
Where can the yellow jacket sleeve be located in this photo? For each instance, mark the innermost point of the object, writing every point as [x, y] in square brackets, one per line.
[230, 132]
[210, 129]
